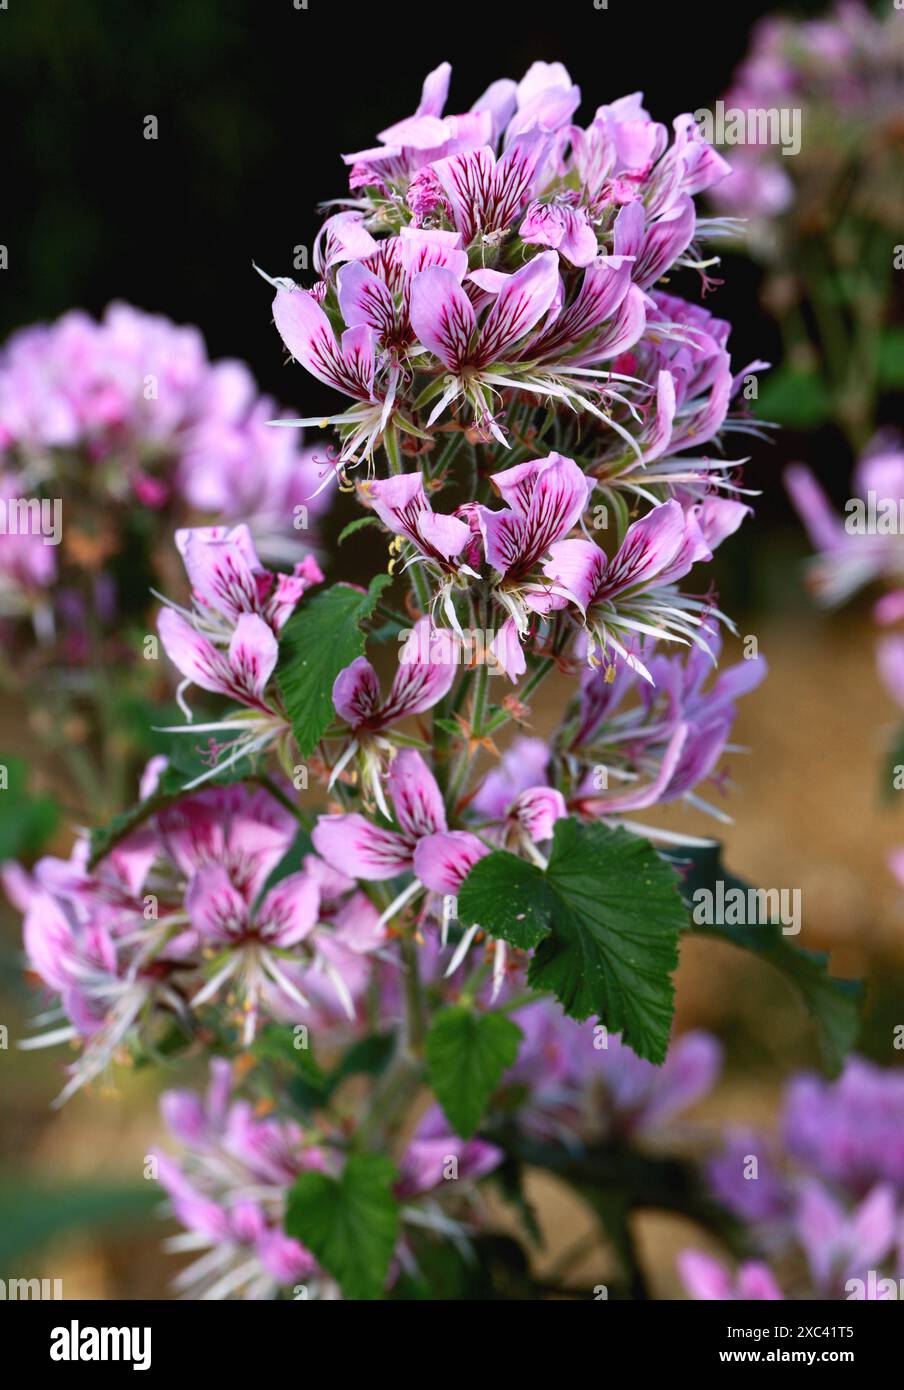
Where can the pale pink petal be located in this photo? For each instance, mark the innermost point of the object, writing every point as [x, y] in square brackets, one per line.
[289, 911]
[356, 692]
[442, 315]
[356, 847]
[442, 862]
[419, 683]
[507, 651]
[579, 567]
[253, 653]
[520, 304]
[197, 659]
[217, 911]
[756, 1281]
[719, 518]
[422, 248]
[416, 799]
[703, 1276]
[223, 570]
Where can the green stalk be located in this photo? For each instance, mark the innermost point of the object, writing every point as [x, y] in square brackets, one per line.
[536, 679]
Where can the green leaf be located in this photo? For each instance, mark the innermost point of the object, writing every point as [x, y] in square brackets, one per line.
[891, 359]
[26, 821]
[350, 1223]
[605, 918]
[506, 895]
[276, 1042]
[833, 1003]
[320, 640]
[467, 1052]
[798, 399]
[489, 1268]
[296, 1073]
[357, 525]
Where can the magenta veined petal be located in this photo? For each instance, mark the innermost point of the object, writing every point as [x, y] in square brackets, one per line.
[215, 907]
[442, 862]
[536, 810]
[365, 299]
[360, 849]
[289, 911]
[253, 653]
[306, 332]
[518, 307]
[416, 799]
[197, 658]
[442, 315]
[356, 692]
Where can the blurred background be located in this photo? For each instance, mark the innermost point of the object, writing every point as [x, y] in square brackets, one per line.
[255, 105]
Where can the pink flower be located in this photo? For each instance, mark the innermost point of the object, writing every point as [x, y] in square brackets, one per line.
[242, 1249]
[224, 919]
[705, 1278]
[566, 229]
[658, 549]
[355, 846]
[402, 506]
[544, 500]
[228, 642]
[447, 324]
[839, 1244]
[435, 1155]
[417, 685]
[439, 858]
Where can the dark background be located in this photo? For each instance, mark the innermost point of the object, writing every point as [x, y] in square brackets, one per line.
[255, 103]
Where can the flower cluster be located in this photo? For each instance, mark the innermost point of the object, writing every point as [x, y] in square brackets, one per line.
[192, 907]
[504, 258]
[581, 1084]
[128, 428]
[227, 643]
[533, 426]
[229, 1191]
[812, 126]
[844, 74]
[824, 1203]
[864, 549]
